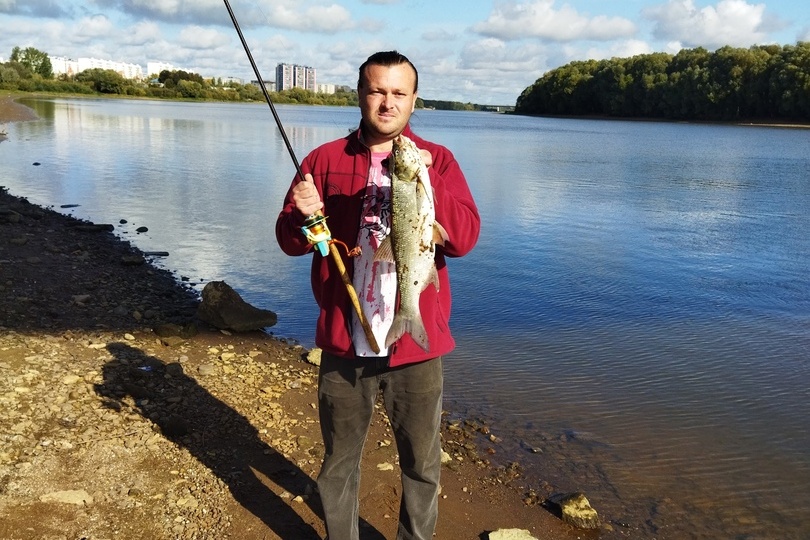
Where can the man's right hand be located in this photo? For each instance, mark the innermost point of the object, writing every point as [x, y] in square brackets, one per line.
[306, 197]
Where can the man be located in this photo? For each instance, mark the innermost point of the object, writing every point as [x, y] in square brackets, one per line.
[348, 179]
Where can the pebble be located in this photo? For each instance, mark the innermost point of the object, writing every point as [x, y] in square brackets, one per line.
[78, 497]
[206, 369]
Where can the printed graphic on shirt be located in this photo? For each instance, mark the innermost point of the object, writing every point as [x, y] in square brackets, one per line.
[374, 281]
[376, 218]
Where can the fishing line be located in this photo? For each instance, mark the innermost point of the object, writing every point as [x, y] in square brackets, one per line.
[314, 228]
[265, 92]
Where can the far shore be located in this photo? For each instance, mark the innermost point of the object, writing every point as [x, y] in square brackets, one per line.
[11, 111]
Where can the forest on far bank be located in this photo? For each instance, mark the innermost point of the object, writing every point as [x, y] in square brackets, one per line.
[764, 82]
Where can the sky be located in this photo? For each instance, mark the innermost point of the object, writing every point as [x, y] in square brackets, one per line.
[478, 51]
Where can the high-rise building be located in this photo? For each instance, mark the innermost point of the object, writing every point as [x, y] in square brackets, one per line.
[295, 76]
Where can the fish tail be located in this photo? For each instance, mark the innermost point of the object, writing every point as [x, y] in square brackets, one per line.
[412, 325]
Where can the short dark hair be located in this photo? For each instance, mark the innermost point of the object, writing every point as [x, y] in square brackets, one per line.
[388, 59]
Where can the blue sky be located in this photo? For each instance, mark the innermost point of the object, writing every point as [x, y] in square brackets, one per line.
[481, 51]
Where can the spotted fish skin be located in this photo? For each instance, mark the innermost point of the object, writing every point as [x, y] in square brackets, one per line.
[412, 242]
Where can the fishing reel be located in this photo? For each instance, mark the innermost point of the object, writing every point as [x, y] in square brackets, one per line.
[317, 233]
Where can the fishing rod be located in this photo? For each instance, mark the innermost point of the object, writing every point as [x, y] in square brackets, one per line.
[314, 228]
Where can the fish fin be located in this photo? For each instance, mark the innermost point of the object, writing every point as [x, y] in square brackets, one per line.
[408, 325]
[385, 251]
[440, 235]
[422, 190]
[433, 277]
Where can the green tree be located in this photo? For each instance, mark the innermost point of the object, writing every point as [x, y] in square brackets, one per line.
[249, 92]
[105, 81]
[189, 89]
[609, 84]
[8, 76]
[688, 89]
[34, 59]
[789, 83]
[647, 83]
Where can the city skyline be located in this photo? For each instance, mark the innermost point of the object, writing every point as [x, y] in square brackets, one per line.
[299, 76]
[484, 52]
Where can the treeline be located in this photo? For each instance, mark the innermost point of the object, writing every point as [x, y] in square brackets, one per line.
[30, 70]
[441, 105]
[759, 83]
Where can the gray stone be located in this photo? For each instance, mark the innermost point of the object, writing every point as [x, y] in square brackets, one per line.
[314, 357]
[132, 260]
[223, 308]
[575, 510]
[511, 534]
[206, 369]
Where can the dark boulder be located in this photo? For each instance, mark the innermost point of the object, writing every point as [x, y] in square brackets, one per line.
[223, 308]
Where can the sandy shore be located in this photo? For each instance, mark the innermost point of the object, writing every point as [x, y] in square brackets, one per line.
[11, 111]
[126, 417]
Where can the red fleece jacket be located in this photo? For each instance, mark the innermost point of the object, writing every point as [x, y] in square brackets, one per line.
[340, 171]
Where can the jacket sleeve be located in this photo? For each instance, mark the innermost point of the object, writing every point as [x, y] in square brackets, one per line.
[288, 225]
[456, 210]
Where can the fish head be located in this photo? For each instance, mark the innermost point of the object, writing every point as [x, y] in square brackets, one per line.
[407, 159]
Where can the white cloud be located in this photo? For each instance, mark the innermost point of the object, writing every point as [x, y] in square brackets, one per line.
[141, 33]
[193, 11]
[91, 28]
[197, 37]
[539, 19]
[494, 55]
[333, 18]
[34, 8]
[729, 22]
[303, 16]
[438, 34]
[622, 49]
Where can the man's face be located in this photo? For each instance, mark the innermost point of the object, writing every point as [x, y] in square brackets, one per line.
[387, 98]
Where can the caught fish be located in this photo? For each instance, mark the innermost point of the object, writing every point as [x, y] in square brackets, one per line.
[411, 246]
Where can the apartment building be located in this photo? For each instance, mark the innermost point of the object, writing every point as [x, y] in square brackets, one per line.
[295, 76]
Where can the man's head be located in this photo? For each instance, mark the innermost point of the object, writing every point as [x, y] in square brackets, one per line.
[386, 88]
[387, 59]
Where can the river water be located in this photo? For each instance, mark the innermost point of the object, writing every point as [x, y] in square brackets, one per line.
[634, 323]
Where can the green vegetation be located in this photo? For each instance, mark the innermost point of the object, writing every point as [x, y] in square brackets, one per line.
[440, 105]
[30, 70]
[33, 60]
[768, 82]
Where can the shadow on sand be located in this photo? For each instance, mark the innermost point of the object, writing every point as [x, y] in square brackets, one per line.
[218, 436]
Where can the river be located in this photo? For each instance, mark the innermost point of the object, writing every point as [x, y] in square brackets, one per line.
[634, 323]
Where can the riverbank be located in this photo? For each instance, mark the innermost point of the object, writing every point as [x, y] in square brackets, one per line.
[126, 417]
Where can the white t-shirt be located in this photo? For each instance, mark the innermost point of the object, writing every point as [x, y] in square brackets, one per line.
[374, 281]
